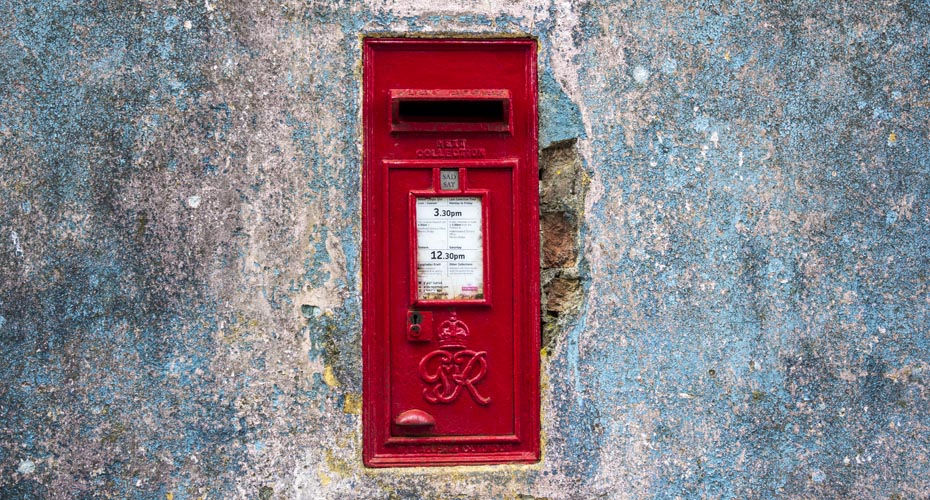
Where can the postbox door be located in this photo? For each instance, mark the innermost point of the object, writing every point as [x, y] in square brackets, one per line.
[457, 275]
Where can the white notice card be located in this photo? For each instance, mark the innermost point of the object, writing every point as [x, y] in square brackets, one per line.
[450, 263]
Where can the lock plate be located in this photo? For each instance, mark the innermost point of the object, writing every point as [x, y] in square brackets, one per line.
[419, 326]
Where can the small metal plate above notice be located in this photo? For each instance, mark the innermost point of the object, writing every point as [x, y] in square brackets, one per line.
[450, 260]
[449, 179]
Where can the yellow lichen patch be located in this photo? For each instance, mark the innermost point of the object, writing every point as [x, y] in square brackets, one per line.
[324, 479]
[169, 496]
[329, 377]
[238, 330]
[892, 137]
[900, 375]
[352, 404]
[337, 465]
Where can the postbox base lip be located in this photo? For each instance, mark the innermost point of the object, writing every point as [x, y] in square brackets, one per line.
[386, 460]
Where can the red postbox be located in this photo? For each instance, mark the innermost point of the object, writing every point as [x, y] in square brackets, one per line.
[450, 252]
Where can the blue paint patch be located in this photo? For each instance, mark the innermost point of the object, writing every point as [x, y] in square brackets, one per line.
[891, 217]
[669, 66]
[559, 117]
[171, 22]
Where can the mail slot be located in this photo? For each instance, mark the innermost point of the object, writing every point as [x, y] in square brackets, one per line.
[443, 110]
[450, 252]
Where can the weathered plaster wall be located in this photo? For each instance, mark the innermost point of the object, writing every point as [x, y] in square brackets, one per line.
[179, 249]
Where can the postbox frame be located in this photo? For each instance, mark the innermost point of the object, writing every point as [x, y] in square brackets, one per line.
[524, 445]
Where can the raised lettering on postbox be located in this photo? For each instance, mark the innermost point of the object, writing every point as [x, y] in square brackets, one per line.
[453, 367]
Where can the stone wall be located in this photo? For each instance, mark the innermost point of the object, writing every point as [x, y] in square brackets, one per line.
[735, 210]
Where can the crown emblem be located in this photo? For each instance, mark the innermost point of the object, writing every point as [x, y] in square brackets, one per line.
[453, 333]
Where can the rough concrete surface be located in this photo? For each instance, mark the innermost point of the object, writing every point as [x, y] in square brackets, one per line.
[180, 235]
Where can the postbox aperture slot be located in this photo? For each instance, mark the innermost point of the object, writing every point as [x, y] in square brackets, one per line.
[456, 110]
[452, 110]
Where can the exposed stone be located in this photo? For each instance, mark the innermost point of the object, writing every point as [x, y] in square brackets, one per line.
[560, 177]
[562, 188]
[563, 295]
[559, 239]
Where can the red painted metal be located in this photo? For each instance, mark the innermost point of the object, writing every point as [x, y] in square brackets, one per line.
[468, 391]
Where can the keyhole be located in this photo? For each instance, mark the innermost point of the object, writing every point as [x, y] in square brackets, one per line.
[419, 326]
